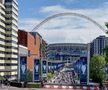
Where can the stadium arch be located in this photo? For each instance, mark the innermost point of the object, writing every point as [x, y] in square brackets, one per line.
[68, 14]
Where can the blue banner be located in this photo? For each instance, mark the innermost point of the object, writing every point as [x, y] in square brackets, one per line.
[83, 70]
[23, 68]
[77, 66]
[36, 70]
[44, 68]
[52, 66]
[49, 66]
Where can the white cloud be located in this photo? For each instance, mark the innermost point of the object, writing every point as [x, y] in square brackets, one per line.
[28, 24]
[53, 9]
[69, 1]
[70, 29]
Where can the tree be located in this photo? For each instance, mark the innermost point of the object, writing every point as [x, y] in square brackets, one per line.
[97, 72]
[50, 75]
[30, 76]
[106, 54]
[106, 24]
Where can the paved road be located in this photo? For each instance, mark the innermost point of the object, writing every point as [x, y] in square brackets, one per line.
[11, 88]
[15, 88]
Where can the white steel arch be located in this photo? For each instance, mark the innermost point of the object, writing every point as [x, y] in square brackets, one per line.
[68, 14]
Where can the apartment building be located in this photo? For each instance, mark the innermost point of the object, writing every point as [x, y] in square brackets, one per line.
[8, 39]
[98, 45]
[2, 37]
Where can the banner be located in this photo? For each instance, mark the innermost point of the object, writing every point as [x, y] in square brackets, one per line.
[77, 66]
[52, 66]
[44, 68]
[83, 70]
[36, 70]
[49, 66]
[23, 68]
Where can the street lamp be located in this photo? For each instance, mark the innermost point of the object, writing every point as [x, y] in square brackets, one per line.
[88, 62]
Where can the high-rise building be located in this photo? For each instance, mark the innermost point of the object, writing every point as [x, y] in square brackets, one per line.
[8, 30]
[2, 37]
[98, 45]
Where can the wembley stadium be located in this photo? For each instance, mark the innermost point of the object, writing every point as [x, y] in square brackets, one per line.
[66, 51]
[73, 58]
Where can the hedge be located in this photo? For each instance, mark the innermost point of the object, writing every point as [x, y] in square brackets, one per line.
[34, 85]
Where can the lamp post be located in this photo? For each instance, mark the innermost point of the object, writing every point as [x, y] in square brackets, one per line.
[88, 63]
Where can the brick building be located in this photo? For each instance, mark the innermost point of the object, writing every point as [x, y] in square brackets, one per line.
[33, 44]
[32, 41]
[22, 38]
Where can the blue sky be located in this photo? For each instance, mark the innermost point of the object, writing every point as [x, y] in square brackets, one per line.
[32, 12]
[31, 8]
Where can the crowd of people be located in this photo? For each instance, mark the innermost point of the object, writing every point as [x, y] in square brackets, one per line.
[64, 77]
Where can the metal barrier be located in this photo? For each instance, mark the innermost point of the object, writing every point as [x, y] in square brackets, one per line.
[72, 87]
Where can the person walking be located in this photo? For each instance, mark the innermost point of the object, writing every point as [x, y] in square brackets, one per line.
[1, 83]
[7, 83]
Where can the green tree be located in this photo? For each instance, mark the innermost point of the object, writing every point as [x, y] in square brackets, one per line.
[30, 76]
[50, 75]
[97, 72]
[106, 24]
[106, 54]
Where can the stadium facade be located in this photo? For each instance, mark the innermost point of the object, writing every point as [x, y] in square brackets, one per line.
[76, 55]
[71, 51]
[66, 51]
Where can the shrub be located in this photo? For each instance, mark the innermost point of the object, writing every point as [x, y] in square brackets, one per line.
[34, 85]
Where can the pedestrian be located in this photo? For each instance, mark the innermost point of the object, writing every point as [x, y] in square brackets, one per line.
[101, 86]
[42, 84]
[1, 83]
[7, 83]
[25, 84]
[22, 83]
